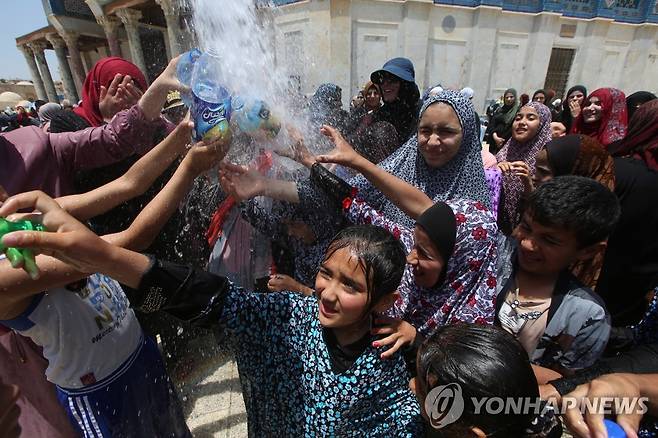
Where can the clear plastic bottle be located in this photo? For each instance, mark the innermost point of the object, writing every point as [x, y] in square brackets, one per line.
[184, 70]
[211, 106]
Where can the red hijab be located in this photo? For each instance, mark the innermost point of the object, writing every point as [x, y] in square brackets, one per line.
[642, 139]
[103, 73]
[614, 119]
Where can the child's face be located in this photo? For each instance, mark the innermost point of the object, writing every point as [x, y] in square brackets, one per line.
[425, 260]
[545, 250]
[341, 289]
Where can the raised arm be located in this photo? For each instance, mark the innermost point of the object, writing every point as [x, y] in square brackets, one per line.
[408, 198]
[16, 287]
[244, 183]
[129, 132]
[134, 182]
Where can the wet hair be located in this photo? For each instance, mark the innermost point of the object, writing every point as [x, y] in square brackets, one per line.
[381, 256]
[485, 361]
[576, 203]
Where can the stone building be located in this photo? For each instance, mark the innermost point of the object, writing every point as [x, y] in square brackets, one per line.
[147, 32]
[489, 45]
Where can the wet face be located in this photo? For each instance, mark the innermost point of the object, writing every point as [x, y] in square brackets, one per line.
[545, 250]
[340, 287]
[373, 98]
[526, 124]
[539, 97]
[558, 129]
[509, 99]
[543, 171]
[439, 134]
[390, 87]
[426, 262]
[592, 113]
[577, 96]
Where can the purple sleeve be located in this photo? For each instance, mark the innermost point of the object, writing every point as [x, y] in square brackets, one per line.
[127, 133]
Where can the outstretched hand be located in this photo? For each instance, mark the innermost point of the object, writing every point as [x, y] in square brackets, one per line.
[298, 150]
[67, 239]
[343, 153]
[241, 182]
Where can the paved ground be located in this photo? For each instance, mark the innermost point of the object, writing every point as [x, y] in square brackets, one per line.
[209, 386]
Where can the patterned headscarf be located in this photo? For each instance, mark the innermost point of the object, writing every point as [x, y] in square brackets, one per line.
[515, 151]
[462, 177]
[581, 155]
[469, 290]
[614, 121]
[641, 142]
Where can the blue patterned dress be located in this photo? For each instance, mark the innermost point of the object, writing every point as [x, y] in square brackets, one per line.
[288, 384]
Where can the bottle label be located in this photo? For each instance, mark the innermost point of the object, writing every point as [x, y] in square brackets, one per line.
[211, 120]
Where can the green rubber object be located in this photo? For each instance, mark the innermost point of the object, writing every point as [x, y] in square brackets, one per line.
[20, 257]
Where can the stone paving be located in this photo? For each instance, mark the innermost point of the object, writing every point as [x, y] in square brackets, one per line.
[209, 387]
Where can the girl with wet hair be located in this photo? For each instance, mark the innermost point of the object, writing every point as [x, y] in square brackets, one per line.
[307, 363]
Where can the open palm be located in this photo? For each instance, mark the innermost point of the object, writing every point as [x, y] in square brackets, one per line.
[343, 153]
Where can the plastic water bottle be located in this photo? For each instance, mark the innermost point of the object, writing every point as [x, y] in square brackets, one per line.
[184, 71]
[614, 430]
[254, 117]
[211, 106]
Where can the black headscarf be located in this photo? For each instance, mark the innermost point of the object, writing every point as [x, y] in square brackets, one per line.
[403, 112]
[566, 118]
[636, 99]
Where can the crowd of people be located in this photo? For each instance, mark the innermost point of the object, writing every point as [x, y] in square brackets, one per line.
[394, 254]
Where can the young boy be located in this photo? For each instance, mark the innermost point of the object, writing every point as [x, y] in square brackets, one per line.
[562, 324]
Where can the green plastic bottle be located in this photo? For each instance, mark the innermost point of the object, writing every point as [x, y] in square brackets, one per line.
[20, 257]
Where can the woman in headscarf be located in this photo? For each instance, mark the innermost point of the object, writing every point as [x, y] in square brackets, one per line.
[641, 142]
[636, 100]
[97, 85]
[578, 155]
[326, 108]
[531, 131]
[442, 171]
[46, 113]
[401, 96]
[540, 96]
[573, 105]
[603, 116]
[362, 115]
[500, 126]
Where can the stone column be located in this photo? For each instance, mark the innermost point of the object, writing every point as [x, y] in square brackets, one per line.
[130, 19]
[482, 48]
[38, 48]
[77, 68]
[171, 13]
[111, 27]
[34, 71]
[65, 69]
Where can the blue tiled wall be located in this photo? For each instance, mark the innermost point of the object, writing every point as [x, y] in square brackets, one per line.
[628, 11]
